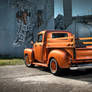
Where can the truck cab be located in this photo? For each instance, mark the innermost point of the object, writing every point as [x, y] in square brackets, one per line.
[58, 50]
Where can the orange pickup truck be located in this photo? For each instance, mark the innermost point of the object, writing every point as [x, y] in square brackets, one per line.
[59, 50]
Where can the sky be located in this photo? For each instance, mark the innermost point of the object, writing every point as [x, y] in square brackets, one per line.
[79, 7]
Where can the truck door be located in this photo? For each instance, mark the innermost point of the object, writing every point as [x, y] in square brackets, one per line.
[38, 48]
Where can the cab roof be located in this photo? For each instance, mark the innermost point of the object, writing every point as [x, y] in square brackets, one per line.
[48, 31]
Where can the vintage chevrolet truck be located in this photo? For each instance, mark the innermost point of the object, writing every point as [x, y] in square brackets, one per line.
[59, 50]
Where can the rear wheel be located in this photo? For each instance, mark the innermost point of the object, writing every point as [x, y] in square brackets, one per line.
[27, 62]
[54, 68]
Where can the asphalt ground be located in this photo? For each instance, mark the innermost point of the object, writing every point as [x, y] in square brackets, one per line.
[19, 78]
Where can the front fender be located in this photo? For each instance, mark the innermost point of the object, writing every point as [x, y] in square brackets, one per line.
[29, 52]
[61, 58]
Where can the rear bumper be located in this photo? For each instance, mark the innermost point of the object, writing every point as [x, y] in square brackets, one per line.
[85, 62]
[81, 64]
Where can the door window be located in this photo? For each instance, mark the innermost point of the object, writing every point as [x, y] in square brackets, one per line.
[40, 38]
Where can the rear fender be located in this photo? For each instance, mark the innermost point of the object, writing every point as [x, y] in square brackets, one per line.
[61, 57]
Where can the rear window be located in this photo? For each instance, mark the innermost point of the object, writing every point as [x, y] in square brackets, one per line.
[58, 35]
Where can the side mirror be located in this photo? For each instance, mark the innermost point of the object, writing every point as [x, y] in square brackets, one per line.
[32, 42]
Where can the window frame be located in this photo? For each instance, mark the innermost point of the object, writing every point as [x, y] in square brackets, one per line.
[40, 38]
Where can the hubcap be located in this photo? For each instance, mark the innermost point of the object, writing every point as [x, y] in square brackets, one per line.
[53, 66]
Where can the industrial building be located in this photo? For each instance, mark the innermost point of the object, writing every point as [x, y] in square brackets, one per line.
[21, 20]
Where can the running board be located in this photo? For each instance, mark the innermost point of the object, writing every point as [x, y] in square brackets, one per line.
[40, 64]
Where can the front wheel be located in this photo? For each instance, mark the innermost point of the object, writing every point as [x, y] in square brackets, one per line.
[27, 62]
[54, 68]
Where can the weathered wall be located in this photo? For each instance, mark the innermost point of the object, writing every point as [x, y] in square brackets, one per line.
[39, 15]
[8, 30]
[8, 25]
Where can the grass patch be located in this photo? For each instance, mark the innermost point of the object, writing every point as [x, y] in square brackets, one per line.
[11, 62]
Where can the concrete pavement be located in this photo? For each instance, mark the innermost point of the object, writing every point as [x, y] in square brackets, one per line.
[19, 78]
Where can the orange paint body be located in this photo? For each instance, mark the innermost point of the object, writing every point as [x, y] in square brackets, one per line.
[63, 49]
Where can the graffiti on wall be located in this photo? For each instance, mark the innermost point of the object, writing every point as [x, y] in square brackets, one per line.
[26, 21]
[31, 19]
[26, 24]
[23, 32]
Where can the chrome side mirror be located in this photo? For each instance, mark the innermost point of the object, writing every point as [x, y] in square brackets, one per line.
[31, 42]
